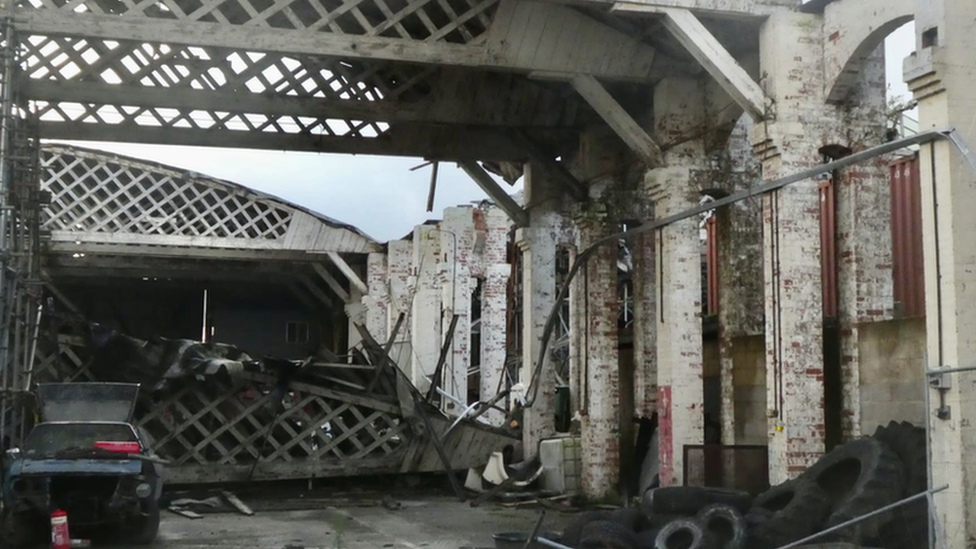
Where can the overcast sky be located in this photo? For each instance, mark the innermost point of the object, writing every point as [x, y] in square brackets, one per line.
[380, 195]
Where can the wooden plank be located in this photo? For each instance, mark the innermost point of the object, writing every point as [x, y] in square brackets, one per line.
[712, 55]
[316, 291]
[555, 169]
[358, 400]
[508, 204]
[237, 503]
[332, 282]
[349, 272]
[443, 143]
[619, 119]
[301, 42]
[300, 469]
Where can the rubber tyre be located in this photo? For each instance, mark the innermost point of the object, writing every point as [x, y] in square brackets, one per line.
[741, 501]
[607, 534]
[682, 534]
[724, 525]
[678, 500]
[17, 530]
[859, 477]
[908, 443]
[786, 513]
[143, 529]
[574, 531]
[647, 538]
[631, 517]
[910, 526]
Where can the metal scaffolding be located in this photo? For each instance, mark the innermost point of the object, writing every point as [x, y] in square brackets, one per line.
[21, 203]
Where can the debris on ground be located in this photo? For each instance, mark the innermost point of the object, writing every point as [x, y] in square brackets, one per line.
[221, 501]
[847, 483]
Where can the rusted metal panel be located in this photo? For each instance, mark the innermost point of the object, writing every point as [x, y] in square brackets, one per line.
[711, 261]
[828, 252]
[906, 237]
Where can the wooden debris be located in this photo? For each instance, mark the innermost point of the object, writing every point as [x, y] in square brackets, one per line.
[237, 503]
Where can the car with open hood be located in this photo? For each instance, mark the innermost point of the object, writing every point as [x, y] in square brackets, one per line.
[86, 458]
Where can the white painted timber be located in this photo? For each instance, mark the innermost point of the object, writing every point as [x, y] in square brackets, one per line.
[348, 271]
[495, 192]
[712, 55]
[332, 283]
[599, 54]
[618, 119]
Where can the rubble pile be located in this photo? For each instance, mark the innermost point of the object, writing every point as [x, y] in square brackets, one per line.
[849, 482]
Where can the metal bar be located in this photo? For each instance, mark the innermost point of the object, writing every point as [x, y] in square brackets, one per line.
[386, 353]
[876, 512]
[931, 373]
[583, 257]
[435, 380]
[550, 543]
[6, 122]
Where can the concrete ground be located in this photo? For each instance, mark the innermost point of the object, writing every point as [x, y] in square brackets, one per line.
[429, 522]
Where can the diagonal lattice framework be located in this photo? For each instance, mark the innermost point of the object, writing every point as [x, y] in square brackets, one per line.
[210, 431]
[106, 67]
[456, 21]
[99, 198]
[91, 195]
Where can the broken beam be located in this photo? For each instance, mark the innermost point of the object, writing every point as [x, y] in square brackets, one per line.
[618, 119]
[332, 282]
[349, 272]
[508, 204]
[559, 172]
[712, 55]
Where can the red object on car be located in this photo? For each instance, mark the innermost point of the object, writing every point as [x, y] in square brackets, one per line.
[118, 447]
[59, 530]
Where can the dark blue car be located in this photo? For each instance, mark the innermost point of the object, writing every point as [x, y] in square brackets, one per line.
[87, 459]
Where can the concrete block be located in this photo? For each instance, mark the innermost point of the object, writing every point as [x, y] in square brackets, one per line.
[561, 465]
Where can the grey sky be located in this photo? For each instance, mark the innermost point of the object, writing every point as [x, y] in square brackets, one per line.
[380, 195]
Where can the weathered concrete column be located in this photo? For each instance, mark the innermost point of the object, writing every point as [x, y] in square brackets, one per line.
[942, 74]
[457, 234]
[740, 289]
[399, 262]
[494, 308]
[425, 320]
[865, 291]
[538, 246]
[376, 302]
[600, 365]
[679, 105]
[548, 229]
[790, 44]
[645, 325]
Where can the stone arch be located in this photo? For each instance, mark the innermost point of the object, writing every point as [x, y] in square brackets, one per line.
[854, 30]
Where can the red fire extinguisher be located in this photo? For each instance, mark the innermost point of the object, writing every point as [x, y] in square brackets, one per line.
[59, 530]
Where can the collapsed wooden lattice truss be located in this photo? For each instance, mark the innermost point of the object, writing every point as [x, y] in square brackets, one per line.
[215, 430]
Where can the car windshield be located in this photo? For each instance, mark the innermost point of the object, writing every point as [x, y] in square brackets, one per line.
[47, 440]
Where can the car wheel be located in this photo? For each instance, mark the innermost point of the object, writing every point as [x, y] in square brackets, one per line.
[144, 528]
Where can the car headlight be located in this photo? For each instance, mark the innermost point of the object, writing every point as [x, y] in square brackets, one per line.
[143, 490]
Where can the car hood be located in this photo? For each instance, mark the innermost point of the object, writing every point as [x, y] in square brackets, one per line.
[87, 401]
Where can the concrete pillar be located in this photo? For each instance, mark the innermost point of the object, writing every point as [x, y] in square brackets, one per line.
[863, 226]
[376, 302]
[457, 234]
[537, 244]
[425, 319]
[942, 75]
[790, 44]
[740, 288]
[494, 308]
[399, 261]
[679, 105]
[645, 325]
[600, 367]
